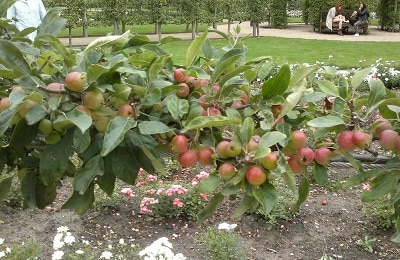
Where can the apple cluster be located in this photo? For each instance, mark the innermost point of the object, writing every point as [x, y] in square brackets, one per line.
[389, 138]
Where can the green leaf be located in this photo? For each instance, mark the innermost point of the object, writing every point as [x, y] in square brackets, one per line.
[278, 84]
[125, 163]
[267, 195]
[55, 159]
[225, 61]
[35, 114]
[233, 73]
[115, 133]
[326, 121]
[377, 94]
[81, 141]
[359, 77]
[210, 121]
[381, 185]
[209, 184]
[52, 23]
[304, 189]
[195, 48]
[80, 119]
[35, 193]
[396, 237]
[246, 130]
[156, 67]
[177, 107]
[86, 175]
[153, 127]
[5, 187]
[320, 174]
[211, 208]
[328, 87]
[81, 203]
[302, 73]
[245, 205]
[271, 138]
[23, 134]
[6, 117]
[12, 58]
[106, 182]
[116, 41]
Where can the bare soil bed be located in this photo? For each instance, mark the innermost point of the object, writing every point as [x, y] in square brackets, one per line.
[318, 231]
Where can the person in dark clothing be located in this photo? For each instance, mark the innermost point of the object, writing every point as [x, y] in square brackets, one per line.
[362, 18]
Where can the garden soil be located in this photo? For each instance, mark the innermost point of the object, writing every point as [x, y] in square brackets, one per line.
[318, 230]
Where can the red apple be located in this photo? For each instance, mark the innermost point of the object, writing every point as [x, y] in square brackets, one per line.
[205, 155]
[297, 140]
[75, 81]
[322, 155]
[305, 156]
[188, 158]
[233, 149]
[179, 75]
[184, 92]
[256, 175]
[379, 126]
[55, 86]
[388, 139]
[294, 165]
[221, 149]
[4, 103]
[226, 170]
[345, 141]
[126, 110]
[179, 144]
[361, 140]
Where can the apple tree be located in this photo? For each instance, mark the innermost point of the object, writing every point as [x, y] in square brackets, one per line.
[102, 113]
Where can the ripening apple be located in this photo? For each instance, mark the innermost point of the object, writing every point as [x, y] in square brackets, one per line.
[297, 139]
[289, 151]
[221, 149]
[46, 126]
[211, 111]
[205, 155]
[388, 139]
[125, 110]
[244, 98]
[179, 144]
[252, 145]
[52, 138]
[256, 175]
[28, 104]
[236, 104]
[226, 170]
[4, 103]
[361, 140]
[305, 155]
[101, 124]
[270, 161]
[184, 92]
[179, 75]
[188, 158]
[322, 155]
[345, 141]
[17, 89]
[93, 99]
[75, 81]
[84, 110]
[380, 125]
[294, 165]
[203, 103]
[215, 90]
[55, 86]
[276, 109]
[233, 149]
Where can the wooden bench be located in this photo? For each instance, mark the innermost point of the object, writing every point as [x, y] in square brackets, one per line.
[335, 26]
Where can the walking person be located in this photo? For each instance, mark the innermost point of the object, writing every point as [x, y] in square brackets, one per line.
[27, 13]
[333, 17]
[362, 18]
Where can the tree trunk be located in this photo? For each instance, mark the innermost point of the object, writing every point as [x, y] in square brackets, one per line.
[193, 30]
[255, 25]
[394, 18]
[69, 37]
[229, 24]
[123, 26]
[85, 25]
[116, 27]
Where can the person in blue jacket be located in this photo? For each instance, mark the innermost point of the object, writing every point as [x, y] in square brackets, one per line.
[27, 13]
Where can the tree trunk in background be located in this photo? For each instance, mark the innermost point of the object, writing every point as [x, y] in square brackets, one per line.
[116, 27]
[194, 30]
[394, 19]
[85, 25]
[69, 37]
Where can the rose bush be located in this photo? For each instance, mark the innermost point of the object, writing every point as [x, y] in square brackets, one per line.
[131, 71]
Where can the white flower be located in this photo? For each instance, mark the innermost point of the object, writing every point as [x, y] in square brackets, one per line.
[62, 229]
[106, 255]
[1, 241]
[2, 254]
[57, 255]
[69, 239]
[8, 250]
[57, 242]
[160, 249]
[121, 241]
[79, 252]
[226, 226]
[85, 242]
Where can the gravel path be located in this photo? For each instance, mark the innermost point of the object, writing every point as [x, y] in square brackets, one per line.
[300, 31]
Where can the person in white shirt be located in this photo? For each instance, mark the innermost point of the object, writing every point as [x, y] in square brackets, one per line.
[27, 13]
[333, 16]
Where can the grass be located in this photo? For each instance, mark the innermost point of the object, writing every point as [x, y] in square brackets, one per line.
[299, 51]
[293, 51]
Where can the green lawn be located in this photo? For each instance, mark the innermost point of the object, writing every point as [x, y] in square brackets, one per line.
[298, 51]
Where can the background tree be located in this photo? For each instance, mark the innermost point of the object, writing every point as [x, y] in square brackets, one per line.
[278, 15]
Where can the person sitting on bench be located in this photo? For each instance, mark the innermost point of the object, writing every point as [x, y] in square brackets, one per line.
[362, 18]
[332, 17]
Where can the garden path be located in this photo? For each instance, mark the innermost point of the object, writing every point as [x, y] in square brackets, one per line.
[300, 31]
